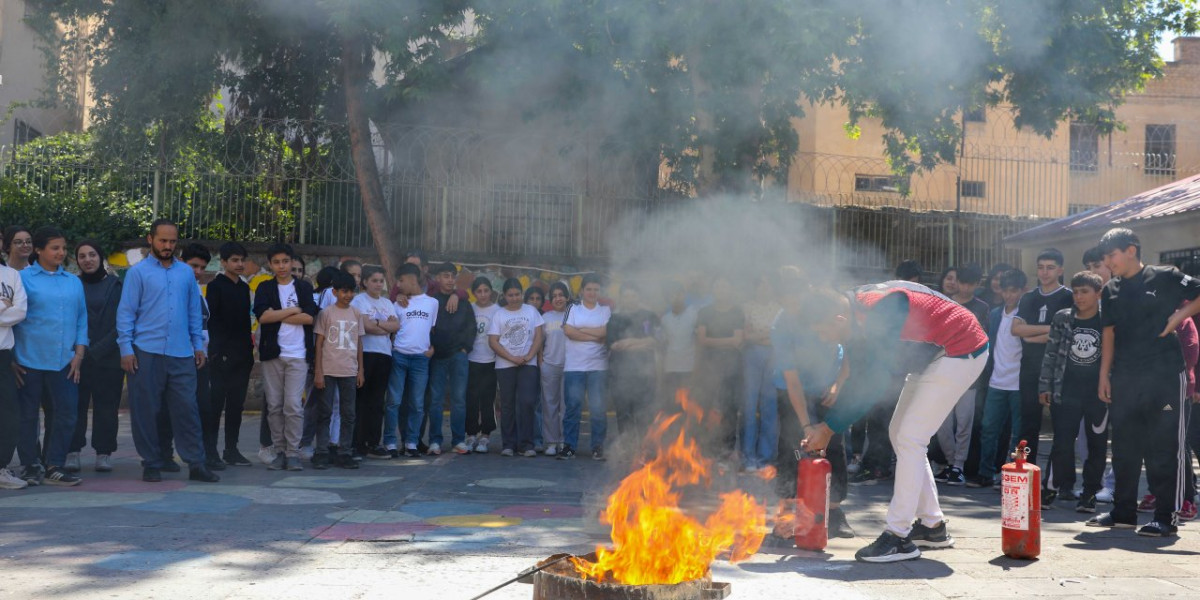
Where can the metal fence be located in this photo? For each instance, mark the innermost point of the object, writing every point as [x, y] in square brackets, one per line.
[499, 196]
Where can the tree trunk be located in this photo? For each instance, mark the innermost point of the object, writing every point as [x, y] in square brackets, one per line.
[355, 74]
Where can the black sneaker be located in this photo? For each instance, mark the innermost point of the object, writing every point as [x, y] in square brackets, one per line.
[214, 463]
[151, 475]
[422, 448]
[865, 477]
[1086, 504]
[1067, 496]
[293, 464]
[1048, 497]
[348, 462]
[980, 481]
[889, 547]
[379, 452]
[923, 536]
[955, 477]
[279, 463]
[170, 466]
[413, 452]
[395, 453]
[235, 458]
[567, 453]
[33, 475]
[942, 475]
[839, 527]
[202, 474]
[60, 476]
[598, 454]
[1151, 529]
[320, 462]
[1106, 520]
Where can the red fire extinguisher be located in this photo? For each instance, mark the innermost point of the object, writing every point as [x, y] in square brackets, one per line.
[1021, 507]
[812, 501]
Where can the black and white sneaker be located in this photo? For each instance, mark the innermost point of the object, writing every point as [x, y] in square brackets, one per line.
[379, 452]
[942, 475]
[955, 477]
[60, 476]
[1086, 504]
[888, 548]
[1048, 497]
[924, 536]
[1151, 529]
[235, 458]
[598, 454]
[839, 527]
[33, 475]
[1106, 520]
[568, 453]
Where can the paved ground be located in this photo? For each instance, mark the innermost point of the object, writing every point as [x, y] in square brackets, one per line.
[455, 526]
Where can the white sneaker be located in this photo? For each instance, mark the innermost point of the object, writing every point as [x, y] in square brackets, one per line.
[266, 455]
[469, 443]
[1105, 495]
[854, 466]
[507, 452]
[8, 481]
[481, 445]
[462, 448]
[529, 453]
[306, 452]
[434, 449]
[72, 463]
[552, 449]
[103, 463]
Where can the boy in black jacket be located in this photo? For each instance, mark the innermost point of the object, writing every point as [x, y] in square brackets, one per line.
[230, 349]
[285, 309]
[452, 339]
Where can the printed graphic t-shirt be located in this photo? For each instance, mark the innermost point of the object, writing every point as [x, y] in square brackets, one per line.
[516, 329]
[1081, 379]
[291, 337]
[375, 308]
[343, 330]
[416, 321]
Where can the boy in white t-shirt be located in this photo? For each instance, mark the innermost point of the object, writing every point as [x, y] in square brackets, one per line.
[586, 369]
[285, 309]
[411, 350]
[1003, 401]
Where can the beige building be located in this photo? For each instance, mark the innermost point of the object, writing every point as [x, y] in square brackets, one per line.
[1006, 171]
[22, 79]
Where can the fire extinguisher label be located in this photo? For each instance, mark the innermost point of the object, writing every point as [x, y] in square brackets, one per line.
[1014, 500]
[828, 482]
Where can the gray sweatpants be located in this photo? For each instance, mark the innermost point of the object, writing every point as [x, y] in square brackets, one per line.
[552, 404]
[954, 436]
[283, 381]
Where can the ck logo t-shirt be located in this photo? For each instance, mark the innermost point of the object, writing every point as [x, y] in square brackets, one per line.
[342, 329]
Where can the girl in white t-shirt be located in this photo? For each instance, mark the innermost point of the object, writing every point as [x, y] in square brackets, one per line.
[585, 369]
[381, 322]
[554, 356]
[515, 334]
[481, 373]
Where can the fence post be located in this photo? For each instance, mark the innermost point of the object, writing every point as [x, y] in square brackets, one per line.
[833, 240]
[157, 175]
[304, 211]
[579, 226]
[445, 216]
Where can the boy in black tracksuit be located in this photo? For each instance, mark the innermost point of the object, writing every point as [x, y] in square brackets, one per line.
[1141, 311]
[1068, 385]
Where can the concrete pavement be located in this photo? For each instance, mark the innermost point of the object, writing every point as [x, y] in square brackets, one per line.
[453, 526]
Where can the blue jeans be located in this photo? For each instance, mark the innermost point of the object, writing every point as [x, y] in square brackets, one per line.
[575, 384]
[454, 369]
[410, 373]
[997, 407]
[760, 410]
[64, 398]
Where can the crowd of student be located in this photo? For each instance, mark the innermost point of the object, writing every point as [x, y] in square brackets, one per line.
[353, 370]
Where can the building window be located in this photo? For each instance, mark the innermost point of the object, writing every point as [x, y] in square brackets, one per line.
[974, 189]
[22, 132]
[1085, 147]
[1187, 260]
[1160, 150]
[975, 115]
[879, 183]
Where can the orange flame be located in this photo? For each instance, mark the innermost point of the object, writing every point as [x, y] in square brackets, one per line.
[654, 542]
[767, 473]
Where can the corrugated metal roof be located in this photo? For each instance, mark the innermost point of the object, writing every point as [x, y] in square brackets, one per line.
[1172, 199]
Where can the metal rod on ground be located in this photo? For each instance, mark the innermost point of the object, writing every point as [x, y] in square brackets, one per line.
[523, 575]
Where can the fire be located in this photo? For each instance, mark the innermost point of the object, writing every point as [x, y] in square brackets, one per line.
[654, 542]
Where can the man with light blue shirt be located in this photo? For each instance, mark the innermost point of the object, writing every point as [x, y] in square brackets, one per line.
[162, 346]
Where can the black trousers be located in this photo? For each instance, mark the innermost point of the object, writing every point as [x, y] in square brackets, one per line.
[631, 394]
[230, 379]
[481, 398]
[369, 402]
[10, 410]
[1065, 415]
[1032, 412]
[518, 401]
[1148, 422]
[790, 435]
[100, 389]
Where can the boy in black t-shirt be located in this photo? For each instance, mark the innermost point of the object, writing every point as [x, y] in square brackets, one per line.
[1068, 385]
[1148, 385]
[1032, 325]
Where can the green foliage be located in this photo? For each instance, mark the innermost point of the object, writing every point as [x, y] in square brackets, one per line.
[49, 182]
